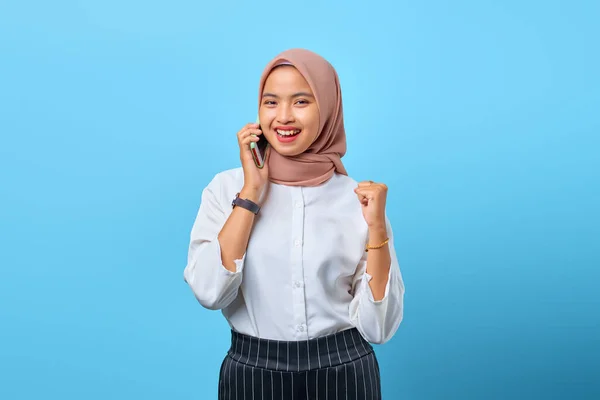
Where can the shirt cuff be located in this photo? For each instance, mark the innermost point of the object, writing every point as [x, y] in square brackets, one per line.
[239, 263]
[367, 278]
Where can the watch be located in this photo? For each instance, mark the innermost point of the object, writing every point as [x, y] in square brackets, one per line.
[244, 203]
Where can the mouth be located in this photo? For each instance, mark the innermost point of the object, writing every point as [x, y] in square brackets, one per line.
[286, 134]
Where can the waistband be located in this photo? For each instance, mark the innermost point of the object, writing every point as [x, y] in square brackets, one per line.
[297, 356]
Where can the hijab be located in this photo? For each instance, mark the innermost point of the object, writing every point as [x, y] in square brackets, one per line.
[323, 157]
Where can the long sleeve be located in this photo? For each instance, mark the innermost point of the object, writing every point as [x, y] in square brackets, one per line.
[379, 320]
[214, 286]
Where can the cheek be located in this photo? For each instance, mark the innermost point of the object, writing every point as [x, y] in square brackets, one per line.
[310, 120]
[313, 126]
[266, 117]
[309, 139]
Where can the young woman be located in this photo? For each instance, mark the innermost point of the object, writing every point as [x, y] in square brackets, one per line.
[297, 255]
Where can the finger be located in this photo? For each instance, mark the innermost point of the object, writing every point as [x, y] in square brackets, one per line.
[363, 200]
[248, 139]
[249, 136]
[365, 194]
[376, 187]
[366, 184]
[251, 125]
[247, 132]
[368, 189]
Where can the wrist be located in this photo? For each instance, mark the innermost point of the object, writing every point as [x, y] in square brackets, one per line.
[378, 226]
[377, 233]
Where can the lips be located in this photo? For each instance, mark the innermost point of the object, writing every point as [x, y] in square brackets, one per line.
[287, 130]
[287, 134]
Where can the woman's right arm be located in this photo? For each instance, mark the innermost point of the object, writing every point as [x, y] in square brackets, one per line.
[218, 243]
[214, 285]
[235, 234]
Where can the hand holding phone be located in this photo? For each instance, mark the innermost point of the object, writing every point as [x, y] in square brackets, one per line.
[254, 161]
[259, 149]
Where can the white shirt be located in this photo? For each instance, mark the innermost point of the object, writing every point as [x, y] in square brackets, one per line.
[303, 274]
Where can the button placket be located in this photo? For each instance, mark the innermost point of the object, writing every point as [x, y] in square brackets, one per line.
[296, 264]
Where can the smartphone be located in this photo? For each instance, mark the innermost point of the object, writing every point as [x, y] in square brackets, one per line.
[259, 149]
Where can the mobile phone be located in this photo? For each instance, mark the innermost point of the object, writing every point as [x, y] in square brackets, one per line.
[259, 149]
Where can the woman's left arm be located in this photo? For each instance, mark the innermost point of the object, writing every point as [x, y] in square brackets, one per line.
[378, 305]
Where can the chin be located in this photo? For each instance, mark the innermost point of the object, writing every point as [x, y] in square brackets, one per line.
[291, 149]
[287, 150]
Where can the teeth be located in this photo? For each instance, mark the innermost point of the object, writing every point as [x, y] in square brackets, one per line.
[288, 133]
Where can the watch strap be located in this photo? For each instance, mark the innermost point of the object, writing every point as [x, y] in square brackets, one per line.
[245, 203]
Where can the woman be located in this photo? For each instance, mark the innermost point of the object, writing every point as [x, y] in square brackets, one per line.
[302, 262]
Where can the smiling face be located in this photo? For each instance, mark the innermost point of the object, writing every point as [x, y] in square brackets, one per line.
[289, 115]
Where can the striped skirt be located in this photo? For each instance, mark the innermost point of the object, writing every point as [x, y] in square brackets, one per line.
[338, 366]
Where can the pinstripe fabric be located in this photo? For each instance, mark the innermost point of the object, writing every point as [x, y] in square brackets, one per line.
[341, 366]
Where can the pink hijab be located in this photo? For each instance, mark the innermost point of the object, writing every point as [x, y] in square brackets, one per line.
[324, 156]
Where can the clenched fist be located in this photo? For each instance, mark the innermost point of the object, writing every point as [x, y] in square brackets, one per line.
[372, 197]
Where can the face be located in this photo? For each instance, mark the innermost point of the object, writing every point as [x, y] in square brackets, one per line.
[289, 116]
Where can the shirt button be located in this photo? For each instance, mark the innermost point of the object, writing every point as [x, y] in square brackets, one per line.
[300, 328]
[298, 284]
[298, 204]
[297, 243]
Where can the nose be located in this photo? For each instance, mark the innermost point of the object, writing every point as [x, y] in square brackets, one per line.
[284, 114]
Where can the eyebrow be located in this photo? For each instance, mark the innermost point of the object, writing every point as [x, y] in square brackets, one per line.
[299, 94]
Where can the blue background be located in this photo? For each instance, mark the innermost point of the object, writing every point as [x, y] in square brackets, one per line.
[481, 116]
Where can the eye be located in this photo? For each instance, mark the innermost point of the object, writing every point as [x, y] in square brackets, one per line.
[269, 103]
[302, 102]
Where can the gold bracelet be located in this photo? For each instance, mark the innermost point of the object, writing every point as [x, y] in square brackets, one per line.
[367, 247]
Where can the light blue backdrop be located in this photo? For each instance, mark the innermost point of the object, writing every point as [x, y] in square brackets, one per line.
[481, 116]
